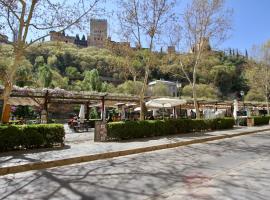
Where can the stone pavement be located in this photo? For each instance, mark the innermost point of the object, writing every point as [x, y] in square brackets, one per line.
[230, 169]
[88, 150]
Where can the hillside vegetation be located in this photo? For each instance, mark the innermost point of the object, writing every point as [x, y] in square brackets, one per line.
[56, 64]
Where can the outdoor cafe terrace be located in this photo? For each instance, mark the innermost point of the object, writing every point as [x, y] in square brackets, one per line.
[39, 97]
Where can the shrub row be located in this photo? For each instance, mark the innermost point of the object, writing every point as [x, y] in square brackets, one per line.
[141, 129]
[31, 136]
[261, 120]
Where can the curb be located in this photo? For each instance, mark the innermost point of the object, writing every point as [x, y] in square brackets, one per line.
[101, 156]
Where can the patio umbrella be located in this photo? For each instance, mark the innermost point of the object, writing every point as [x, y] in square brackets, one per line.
[139, 109]
[165, 103]
[235, 108]
[82, 113]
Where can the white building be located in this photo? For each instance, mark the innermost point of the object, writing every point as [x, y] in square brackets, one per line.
[172, 87]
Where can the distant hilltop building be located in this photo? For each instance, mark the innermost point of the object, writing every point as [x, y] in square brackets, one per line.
[204, 45]
[98, 38]
[62, 37]
[172, 87]
[98, 33]
[171, 49]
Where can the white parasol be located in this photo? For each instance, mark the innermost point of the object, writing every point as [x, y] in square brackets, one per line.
[165, 103]
[82, 113]
[235, 108]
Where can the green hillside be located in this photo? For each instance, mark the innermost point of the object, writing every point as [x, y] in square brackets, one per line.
[56, 64]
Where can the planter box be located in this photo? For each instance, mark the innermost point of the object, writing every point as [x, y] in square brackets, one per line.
[250, 121]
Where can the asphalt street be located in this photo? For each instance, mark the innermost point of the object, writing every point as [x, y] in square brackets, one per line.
[237, 169]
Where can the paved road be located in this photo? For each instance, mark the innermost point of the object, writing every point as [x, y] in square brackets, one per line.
[237, 169]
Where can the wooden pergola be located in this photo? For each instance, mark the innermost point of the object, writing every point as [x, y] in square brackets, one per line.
[44, 97]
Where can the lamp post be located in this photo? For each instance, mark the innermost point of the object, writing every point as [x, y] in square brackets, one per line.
[242, 93]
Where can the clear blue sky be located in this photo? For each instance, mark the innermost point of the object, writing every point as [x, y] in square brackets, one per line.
[251, 23]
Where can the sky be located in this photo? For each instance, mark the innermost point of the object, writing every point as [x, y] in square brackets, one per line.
[251, 23]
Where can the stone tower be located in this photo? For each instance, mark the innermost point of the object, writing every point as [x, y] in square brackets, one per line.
[98, 33]
[204, 45]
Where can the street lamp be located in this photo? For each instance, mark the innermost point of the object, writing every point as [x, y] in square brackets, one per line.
[242, 93]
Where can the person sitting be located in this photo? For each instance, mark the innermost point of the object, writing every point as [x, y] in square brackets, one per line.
[152, 118]
[192, 114]
[110, 119]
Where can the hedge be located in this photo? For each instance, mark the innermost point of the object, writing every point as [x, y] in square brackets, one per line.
[141, 129]
[261, 120]
[31, 136]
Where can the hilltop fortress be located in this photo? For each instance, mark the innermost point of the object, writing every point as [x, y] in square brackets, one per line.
[98, 36]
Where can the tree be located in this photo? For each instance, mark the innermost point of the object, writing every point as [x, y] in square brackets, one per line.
[246, 54]
[259, 75]
[144, 19]
[72, 72]
[21, 17]
[92, 81]
[130, 87]
[203, 91]
[39, 61]
[58, 80]
[45, 76]
[128, 60]
[24, 75]
[255, 95]
[83, 38]
[94, 114]
[77, 37]
[53, 61]
[223, 77]
[203, 21]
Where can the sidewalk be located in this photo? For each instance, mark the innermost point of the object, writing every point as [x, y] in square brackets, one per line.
[12, 162]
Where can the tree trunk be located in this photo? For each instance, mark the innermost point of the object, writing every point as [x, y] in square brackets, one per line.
[9, 83]
[142, 110]
[267, 100]
[143, 92]
[267, 104]
[6, 95]
[195, 102]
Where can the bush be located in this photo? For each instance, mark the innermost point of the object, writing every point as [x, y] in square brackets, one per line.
[141, 129]
[31, 136]
[242, 121]
[10, 137]
[262, 120]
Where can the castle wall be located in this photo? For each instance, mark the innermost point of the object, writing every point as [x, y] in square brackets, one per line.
[56, 36]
